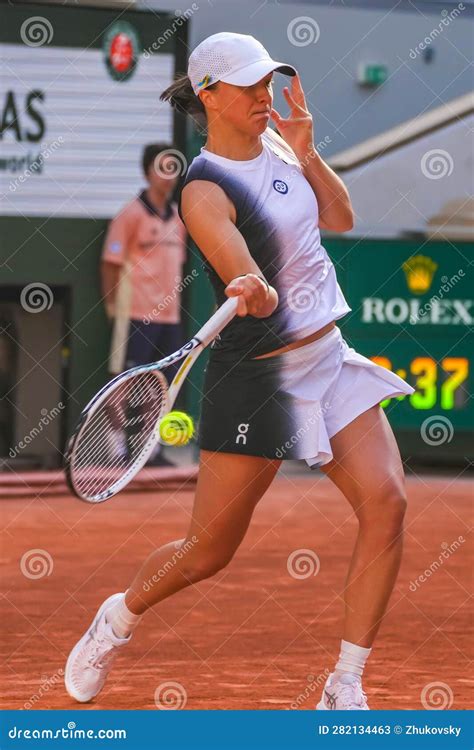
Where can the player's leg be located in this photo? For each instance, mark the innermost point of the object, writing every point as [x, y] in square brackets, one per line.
[368, 470]
[228, 489]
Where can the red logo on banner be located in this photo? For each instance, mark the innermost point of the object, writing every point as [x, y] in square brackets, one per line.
[121, 48]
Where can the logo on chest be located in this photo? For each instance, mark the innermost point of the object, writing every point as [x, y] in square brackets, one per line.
[280, 186]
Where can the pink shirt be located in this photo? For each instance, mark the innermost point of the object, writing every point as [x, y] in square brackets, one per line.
[155, 251]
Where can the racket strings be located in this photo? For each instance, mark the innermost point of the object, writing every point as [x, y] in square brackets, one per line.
[108, 453]
[117, 434]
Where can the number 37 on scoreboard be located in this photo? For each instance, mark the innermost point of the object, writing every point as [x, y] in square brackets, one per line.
[432, 380]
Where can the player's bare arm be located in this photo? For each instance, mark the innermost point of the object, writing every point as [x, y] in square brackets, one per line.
[210, 220]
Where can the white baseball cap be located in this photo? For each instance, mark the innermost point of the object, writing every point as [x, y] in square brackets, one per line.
[239, 59]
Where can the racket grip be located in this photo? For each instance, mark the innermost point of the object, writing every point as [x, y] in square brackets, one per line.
[218, 321]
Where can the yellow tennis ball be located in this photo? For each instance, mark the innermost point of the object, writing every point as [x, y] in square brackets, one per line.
[176, 428]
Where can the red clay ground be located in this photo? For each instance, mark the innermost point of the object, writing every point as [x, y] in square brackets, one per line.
[253, 637]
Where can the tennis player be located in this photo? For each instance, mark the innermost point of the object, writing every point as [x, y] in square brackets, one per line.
[281, 382]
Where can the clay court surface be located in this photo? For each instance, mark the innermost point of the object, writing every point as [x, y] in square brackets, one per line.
[254, 636]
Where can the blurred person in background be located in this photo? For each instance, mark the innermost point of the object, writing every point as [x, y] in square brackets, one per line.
[142, 272]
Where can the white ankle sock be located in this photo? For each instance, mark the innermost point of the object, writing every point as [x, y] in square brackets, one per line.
[122, 620]
[352, 658]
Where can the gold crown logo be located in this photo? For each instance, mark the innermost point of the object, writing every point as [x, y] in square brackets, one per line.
[419, 272]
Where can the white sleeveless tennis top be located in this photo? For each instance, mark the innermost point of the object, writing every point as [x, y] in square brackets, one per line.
[277, 214]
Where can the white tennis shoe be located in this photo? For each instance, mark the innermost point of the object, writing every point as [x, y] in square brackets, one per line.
[91, 659]
[343, 694]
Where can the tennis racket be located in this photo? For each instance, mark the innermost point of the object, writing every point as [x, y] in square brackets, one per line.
[118, 428]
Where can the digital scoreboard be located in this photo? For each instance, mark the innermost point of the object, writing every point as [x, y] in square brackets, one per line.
[413, 312]
[434, 386]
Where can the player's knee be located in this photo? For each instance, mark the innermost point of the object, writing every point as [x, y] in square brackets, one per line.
[383, 514]
[205, 563]
[396, 504]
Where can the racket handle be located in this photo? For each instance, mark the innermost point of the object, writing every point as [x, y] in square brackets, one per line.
[218, 321]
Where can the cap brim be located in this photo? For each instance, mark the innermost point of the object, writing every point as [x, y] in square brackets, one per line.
[256, 71]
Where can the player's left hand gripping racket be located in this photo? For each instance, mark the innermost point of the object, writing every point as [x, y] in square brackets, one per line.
[118, 428]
